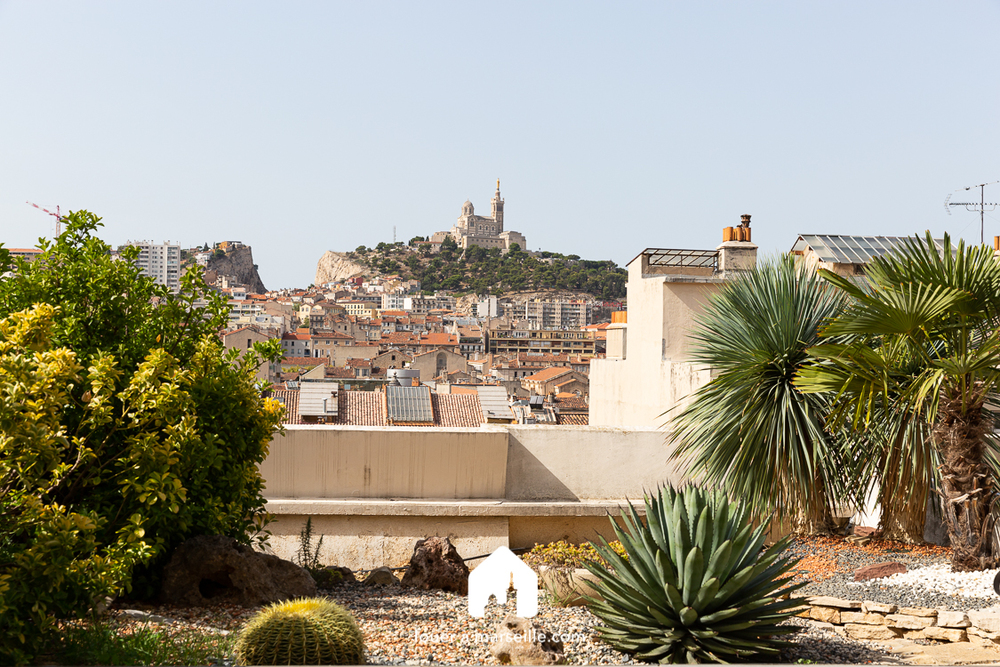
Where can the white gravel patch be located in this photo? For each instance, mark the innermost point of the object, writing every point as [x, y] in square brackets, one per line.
[939, 578]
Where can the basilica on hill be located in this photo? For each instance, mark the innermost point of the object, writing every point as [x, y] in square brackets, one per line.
[472, 229]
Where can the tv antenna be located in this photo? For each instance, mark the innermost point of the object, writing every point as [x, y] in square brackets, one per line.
[980, 206]
[57, 216]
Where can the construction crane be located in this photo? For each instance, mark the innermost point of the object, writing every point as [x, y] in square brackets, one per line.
[57, 216]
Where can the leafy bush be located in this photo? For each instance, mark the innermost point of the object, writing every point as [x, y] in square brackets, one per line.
[564, 555]
[125, 428]
[697, 585]
[309, 631]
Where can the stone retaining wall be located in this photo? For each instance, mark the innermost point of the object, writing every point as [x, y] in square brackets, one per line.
[863, 619]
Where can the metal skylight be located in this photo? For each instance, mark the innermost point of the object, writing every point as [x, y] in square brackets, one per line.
[409, 404]
[851, 249]
[671, 257]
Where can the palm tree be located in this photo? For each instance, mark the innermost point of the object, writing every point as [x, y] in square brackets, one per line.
[749, 430]
[925, 350]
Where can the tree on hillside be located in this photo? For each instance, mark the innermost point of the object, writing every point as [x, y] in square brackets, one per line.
[925, 348]
[125, 428]
[750, 430]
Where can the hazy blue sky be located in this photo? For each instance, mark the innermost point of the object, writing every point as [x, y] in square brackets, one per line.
[299, 127]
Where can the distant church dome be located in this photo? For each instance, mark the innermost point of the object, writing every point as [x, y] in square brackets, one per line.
[467, 208]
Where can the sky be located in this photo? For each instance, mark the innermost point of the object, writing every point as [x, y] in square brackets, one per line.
[301, 127]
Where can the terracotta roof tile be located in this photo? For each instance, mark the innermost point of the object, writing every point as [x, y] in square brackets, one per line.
[548, 374]
[290, 399]
[439, 339]
[361, 408]
[456, 410]
[573, 420]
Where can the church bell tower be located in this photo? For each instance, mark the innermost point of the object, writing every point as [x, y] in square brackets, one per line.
[498, 208]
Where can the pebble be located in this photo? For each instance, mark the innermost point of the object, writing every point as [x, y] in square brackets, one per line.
[929, 582]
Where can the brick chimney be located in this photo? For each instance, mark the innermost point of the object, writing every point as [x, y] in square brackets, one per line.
[737, 253]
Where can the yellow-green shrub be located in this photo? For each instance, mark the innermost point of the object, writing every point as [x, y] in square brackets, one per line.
[125, 428]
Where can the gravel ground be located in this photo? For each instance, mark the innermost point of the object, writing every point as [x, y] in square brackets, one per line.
[408, 627]
[928, 583]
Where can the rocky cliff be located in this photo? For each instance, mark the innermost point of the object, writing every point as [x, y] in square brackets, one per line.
[335, 266]
[238, 265]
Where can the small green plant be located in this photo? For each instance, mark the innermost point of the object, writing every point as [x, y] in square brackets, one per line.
[563, 555]
[104, 644]
[307, 556]
[697, 586]
[308, 631]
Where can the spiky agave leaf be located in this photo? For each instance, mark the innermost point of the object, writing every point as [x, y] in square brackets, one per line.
[697, 585]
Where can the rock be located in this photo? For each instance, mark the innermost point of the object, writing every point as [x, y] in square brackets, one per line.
[435, 563]
[381, 576]
[876, 632]
[952, 619]
[332, 575]
[825, 614]
[335, 266]
[878, 571]
[918, 611]
[864, 531]
[864, 618]
[946, 634]
[906, 622]
[214, 568]
[824, 601]
[237, 264]
[568, 587]
[858, 540]
[521, 642]
[878, 608]
[982, 637]
[985, 620]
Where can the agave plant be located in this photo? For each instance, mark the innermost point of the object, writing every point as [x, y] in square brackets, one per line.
[697, 586]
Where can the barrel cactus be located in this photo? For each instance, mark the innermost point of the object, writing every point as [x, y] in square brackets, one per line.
[697, 585]
[307, 631]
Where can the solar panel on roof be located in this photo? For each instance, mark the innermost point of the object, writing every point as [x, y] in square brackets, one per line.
[409, 404]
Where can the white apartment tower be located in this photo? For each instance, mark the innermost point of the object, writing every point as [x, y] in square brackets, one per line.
[161, 262]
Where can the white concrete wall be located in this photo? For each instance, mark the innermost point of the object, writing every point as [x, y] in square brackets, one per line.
[390, 462]
[585, 463]
[372, 493]
[654, 376]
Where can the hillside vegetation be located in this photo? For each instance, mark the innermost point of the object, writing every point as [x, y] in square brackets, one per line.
[486, 271]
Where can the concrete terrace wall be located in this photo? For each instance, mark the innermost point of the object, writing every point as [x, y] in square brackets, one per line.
[372, 493]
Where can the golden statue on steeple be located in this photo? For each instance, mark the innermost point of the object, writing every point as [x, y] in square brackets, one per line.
[498, 185]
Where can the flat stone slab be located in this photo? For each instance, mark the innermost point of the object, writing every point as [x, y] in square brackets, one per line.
[985, 620]
[962, 653]
[862, 618]
[907, 622]
[824, 601]
[871, 632]
[879, 608]
[917, 611]
[953, 619]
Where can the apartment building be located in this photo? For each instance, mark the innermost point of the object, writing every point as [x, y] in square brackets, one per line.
[545, 314]
[160, 261]
[514, 341]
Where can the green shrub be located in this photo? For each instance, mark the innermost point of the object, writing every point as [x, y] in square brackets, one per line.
[125, 428]
[697, 585]
[309, 631]
[564, 555]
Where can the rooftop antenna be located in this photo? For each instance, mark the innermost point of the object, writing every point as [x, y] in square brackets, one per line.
[57, 215]
[980, 206]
